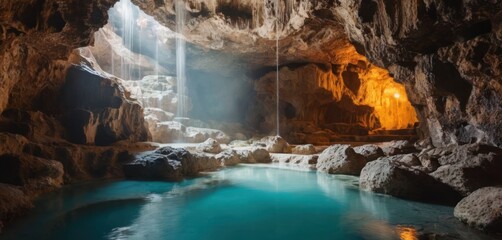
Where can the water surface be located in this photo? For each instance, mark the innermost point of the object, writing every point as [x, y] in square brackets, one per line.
[244, 202]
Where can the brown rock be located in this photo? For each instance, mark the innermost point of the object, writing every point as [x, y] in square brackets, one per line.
[389, 177]
[209, 146]
[469, 167]
[482, 209]
[307, 149]
[340, 159]
[370, 151]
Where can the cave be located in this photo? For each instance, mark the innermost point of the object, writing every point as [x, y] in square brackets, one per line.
[276, 119]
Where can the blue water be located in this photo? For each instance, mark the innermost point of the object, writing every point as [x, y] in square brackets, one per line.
[244, 202]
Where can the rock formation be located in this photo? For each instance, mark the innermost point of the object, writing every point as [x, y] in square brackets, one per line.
[482, 209]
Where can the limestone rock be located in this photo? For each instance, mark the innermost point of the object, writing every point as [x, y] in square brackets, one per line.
[307, 149]
[254, 155]
[154, 166]
[386, 176]
[275, 144]
[13, 202]
[110, 116]
[199, 162]
[398, 147]
[340, 159]
[228, 157]
[169, 164]
[482, 209]
[370, 151]
[301, 161]
[469, 167]
[209, 146]
[195, 135]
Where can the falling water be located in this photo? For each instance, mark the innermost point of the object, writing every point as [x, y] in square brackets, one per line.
[277, 66]
[125, 8]
[180, 58]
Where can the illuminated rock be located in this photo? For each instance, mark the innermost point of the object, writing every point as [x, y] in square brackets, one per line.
[209, 146]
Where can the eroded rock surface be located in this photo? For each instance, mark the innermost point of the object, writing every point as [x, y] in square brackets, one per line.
[468, 167]
[369, 151]
[340, 159]
[387, 175]
[482, 209]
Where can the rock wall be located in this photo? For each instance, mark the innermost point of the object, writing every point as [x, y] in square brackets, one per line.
[347, 99]
[55, 106]
[446, 53]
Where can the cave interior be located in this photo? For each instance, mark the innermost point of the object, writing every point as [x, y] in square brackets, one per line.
[405, 96]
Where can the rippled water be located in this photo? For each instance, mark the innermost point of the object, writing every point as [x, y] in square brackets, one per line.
[245, 202]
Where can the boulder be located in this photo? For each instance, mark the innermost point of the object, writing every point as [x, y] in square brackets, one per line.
[307, 149]
[408, 160]
[398, 147]
[254, 155]
[389, 176]
[301, 161]
[275, 144]
[468, 167]
[197, 135]
[169, 163]
[209, 146]
[31, 172]
[370, 151]
[228, 157]
[482, 209]
[13, 202]
[340, 159]
[154, 166]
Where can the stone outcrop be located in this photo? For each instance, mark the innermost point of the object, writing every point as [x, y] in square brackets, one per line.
[307, 149]
[468, 167]
[97, 111]
[209, 146]
[302, 162]
[169, 163]
[389, 176]
[370, 151]
[275, 144]
[398, 147]
[340, 159]
[482, 209]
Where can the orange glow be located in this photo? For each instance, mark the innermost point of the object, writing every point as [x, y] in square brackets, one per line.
[389, 98]
[407, 233]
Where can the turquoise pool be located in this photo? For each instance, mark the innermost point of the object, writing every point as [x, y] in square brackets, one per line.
[244, 202]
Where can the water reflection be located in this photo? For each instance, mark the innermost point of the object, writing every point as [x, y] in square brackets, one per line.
[407, 233]
[237, 203]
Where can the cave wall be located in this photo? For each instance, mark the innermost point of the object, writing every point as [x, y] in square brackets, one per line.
[55, 104]
[446, 53]
[351, 99]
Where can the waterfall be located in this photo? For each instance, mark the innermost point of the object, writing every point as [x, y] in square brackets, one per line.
[277, 67]
[125, 8]
[180, 59]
